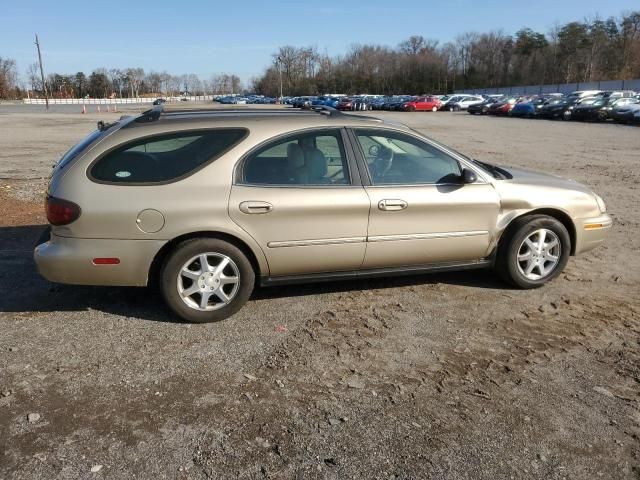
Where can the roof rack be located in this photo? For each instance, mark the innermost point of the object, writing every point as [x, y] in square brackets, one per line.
[326, 110]
[151, 115]
[157, 111]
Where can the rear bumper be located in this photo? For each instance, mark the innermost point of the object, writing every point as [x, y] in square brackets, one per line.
[591, 232]
[70, 260]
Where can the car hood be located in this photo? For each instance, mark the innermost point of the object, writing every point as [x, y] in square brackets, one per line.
[531, 177]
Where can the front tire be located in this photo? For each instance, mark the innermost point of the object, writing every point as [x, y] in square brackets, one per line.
[534, 251]
[206, 280]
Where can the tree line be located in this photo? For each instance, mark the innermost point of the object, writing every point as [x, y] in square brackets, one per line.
[580, 51]
[111, 83]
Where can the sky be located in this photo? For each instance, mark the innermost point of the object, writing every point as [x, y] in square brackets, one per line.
[212, 37]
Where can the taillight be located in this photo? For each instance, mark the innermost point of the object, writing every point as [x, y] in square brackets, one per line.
[61, 212]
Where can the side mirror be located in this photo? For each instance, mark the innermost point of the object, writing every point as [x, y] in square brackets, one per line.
[468, 176]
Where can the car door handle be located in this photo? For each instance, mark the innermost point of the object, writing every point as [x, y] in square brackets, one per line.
[255, 207]
[392, 204]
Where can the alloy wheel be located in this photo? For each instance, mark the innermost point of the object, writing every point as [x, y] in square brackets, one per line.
[539, 254]
[208, 281]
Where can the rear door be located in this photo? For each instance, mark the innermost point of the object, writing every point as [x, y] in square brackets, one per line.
[421, 213]
[300, 197]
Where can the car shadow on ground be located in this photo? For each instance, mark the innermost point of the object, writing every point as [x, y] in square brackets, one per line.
[25, 291]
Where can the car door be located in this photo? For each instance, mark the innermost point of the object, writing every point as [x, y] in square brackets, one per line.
[421, 212]
[301, 199]
[420, 103]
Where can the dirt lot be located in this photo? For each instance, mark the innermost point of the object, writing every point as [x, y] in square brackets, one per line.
[449, 376]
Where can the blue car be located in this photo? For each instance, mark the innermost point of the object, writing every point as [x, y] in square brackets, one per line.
[328, 101]
[524, 109]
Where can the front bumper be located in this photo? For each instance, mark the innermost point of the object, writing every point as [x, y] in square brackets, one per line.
[70, 260]
[591, 232]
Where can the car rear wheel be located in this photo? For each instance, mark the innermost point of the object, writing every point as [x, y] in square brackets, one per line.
[434, 109]
[206, 280]
[534, 251]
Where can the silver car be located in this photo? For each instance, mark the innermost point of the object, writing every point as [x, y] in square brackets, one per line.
[206, 204]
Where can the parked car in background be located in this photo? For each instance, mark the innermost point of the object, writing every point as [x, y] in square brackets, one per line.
[503, 107]
[377, 103]
[422, 104]
[625, 113]
[362, 103]
[598, 108]
[396, 102]
[523, 109]
[345, 103]
[286, 200]
[462, 102]
[302, 102]
[159, 101]
[327, 101]
[617, 94]
[483, 108]
[560, 109]
[580, 94]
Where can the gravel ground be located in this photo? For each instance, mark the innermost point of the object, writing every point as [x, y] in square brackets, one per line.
[448, 376]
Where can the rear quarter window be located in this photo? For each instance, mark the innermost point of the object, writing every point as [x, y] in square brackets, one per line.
[164, 158]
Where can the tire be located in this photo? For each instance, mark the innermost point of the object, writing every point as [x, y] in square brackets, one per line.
[184, 256]
[434, 109]
[513, 271]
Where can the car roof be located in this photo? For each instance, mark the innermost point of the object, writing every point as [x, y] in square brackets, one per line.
[160, 119]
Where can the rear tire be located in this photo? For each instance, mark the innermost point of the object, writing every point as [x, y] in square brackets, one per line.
[548, 254]
[207, 281]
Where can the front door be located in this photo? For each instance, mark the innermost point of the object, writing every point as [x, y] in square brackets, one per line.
[421, 212]
[295, 196]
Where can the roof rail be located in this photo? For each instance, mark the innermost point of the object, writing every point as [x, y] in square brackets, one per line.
[151, 115]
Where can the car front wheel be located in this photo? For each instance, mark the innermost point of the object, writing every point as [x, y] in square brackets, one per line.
[206, 280]
[534, 251]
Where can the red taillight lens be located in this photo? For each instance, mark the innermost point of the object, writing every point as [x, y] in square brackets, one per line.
[61, 212]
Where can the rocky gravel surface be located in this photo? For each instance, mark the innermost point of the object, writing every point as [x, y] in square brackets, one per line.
[444, 376]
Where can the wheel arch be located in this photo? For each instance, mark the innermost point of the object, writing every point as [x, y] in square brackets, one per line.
[158, 260]
[559, 215]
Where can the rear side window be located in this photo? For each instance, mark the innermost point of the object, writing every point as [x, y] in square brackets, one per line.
[164, 158]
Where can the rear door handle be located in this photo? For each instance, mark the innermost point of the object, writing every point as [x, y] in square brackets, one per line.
[392, 204]
[255, 207]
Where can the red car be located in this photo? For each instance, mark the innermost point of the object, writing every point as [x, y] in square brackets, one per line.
[503, 107]
[345, 103]
[422, 104]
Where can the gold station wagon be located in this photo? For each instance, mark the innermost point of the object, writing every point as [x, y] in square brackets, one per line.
[205, 204]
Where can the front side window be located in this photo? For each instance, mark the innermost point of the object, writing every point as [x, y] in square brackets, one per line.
[164, 158]
[310, 158]
[394, 158]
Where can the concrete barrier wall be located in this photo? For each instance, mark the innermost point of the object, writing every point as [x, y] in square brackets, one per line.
[112, 101]
[565, 88]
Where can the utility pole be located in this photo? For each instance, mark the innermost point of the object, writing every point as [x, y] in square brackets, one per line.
[280, 72]
[44, 85]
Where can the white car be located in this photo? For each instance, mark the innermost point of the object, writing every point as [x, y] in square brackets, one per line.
[462, 102]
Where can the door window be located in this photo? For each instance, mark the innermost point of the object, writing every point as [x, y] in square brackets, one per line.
[394, 158]
[310, 158]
